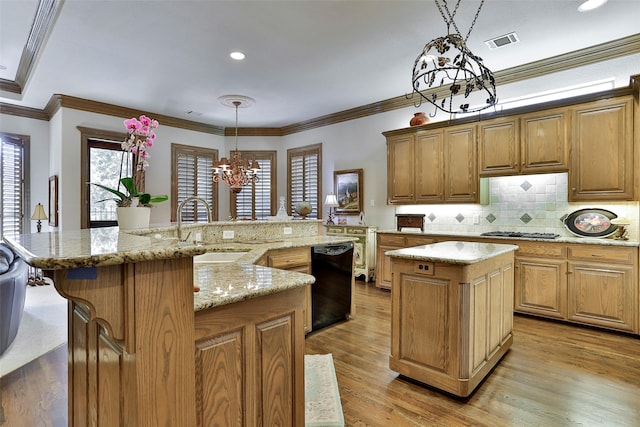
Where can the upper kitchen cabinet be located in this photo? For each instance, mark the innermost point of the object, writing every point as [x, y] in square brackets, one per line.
[524, 144]
[433, 166]
[461, 182]
[602, 151]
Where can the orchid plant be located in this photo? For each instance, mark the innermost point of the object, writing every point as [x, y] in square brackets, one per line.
[141, 137]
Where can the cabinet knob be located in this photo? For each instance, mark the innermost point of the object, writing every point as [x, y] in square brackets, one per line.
[573, 189]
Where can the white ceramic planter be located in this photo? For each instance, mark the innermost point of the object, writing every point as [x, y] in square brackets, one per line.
[133, 218]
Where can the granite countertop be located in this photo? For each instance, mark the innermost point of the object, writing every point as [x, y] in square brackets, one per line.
[453, 252]
[561, 239]
[220, 284]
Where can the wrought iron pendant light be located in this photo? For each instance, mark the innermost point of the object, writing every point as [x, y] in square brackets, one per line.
[446, 68]
[236, 172]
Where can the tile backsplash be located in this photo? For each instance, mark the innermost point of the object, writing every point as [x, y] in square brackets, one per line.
[527, 203]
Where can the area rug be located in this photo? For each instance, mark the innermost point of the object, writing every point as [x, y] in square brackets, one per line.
[322, 396]
[43, 328]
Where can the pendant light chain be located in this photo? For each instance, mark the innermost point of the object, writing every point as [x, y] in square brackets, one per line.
[452, 15]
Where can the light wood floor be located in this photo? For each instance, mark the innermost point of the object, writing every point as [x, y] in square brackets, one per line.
[554, 375]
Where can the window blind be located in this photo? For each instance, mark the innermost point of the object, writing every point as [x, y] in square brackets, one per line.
[256, 201]
[13, 185]
[193, 176]
[304, 179]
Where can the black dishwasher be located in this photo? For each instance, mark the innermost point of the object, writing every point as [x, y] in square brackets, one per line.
[332, 266]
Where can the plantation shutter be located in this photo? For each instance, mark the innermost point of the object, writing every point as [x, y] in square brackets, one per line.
[256, 201]
[304, 178]
[193, 176]
[13, 185]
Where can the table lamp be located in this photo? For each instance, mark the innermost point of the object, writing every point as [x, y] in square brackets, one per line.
[331, 201]
[39, 215]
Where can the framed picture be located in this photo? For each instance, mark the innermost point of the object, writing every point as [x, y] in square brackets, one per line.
[349, 191]
[53, 201]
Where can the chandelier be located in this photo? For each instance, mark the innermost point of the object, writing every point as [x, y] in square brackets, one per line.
[235, 172]
[446, 63]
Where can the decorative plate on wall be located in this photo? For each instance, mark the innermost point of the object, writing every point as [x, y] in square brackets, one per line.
[590, 222]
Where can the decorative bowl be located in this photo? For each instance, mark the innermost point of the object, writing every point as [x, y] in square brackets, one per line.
[303, 208]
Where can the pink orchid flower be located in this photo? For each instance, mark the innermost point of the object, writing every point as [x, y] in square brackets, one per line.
[132, 124]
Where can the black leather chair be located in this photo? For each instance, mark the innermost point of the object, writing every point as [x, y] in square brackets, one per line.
[14, 274]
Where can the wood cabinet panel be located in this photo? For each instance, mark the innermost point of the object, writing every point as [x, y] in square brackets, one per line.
[541, 287]
[603, 295]
[460, 165]
[429, 173]
[389, 242]
[602, 151]
[499, 147]
[400, 169]
[602, 254]
[544, 139]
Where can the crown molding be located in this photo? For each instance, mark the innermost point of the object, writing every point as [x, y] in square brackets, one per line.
[20, 111]
[605, 51]
[58, 101]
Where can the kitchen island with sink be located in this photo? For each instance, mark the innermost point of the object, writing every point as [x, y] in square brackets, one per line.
[451, 312]
[144, 351]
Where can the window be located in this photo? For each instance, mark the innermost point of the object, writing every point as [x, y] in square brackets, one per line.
[192, 175]
[304, 167]
[257, 201]
[14, 167]
[104, 160]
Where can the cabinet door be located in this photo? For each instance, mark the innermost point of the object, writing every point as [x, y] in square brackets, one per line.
[541, 287]
[545, 141]
[602, 159]
[400, 161]
[603, 295]
[499, 147]
[429, 167]
[460, 162]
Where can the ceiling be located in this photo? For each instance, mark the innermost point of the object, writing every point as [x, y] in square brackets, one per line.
[304, 58]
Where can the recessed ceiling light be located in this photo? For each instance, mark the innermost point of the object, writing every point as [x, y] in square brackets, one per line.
[590, 5]
[238, 56]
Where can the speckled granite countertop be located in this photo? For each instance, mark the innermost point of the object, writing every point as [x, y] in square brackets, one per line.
[219, 284]
[561, 239]
[453, 252]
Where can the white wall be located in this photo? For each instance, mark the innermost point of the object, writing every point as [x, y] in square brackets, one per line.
[38, 131]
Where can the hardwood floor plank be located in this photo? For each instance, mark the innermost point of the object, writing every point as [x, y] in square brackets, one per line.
[555, 375]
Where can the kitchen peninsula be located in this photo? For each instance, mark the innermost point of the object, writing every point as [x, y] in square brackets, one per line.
[143, 351]
[451, 312]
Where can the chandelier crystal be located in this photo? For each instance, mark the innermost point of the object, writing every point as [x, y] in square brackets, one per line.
[236, 172]
[446, 63]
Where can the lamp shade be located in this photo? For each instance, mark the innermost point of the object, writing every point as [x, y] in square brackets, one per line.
[331, 201]
[39, 213]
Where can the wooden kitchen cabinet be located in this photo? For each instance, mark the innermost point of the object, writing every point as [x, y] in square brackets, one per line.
[602, 151]
[293, 259]
[388, 242]
[524, 144]
[540, 282]
[603, 287]
[364, 248]
[461, 181]
[436, 166]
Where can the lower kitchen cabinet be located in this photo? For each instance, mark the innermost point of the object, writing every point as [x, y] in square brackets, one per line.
[293, 259]
[603, 291]
[364, 248]
[589, 284]
[388, 242]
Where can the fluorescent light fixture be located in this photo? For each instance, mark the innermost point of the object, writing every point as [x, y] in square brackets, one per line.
[590, 5]
[238, 56]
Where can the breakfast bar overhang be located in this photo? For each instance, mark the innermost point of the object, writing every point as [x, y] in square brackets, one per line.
[451, 312]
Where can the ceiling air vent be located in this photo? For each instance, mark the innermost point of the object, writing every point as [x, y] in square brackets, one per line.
[502, 40]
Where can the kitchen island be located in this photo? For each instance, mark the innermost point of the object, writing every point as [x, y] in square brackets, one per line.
[142, 352]
[451, 312]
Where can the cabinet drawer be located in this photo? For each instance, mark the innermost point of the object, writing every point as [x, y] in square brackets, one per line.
[335, 230]
[418, 241]
[287, 258]
[359, 231]
[596, 253]
[391, 240]
[540, 249]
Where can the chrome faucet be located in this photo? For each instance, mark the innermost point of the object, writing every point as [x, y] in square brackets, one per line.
[179, 213]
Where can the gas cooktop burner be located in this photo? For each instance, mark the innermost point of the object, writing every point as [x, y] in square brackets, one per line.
[521, 234]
